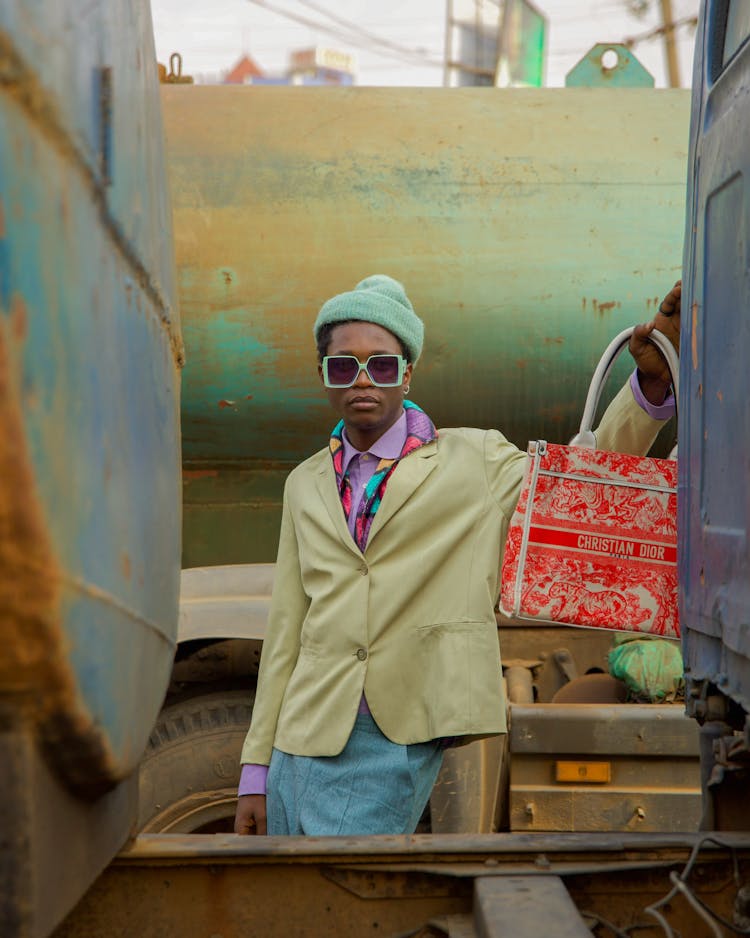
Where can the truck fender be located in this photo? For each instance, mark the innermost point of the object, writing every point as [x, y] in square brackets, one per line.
[221, 602]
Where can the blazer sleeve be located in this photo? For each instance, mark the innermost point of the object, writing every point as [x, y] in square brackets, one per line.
[289, 605]
[626, 427]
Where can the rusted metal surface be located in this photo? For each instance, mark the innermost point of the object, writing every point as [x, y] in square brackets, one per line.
[52, 843]
[527, 226]
[93, 383]
[174, 76]
[714, 495]
[90, 349]
[224, 885]
[609, 65]
[588, 767]
[537, 905]
[470, 790]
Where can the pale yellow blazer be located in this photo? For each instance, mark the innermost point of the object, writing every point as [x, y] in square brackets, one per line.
[411, 621]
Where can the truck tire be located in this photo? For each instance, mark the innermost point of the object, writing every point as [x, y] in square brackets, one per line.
[190, 771]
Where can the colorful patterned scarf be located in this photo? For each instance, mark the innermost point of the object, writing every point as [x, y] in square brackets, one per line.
[419, 432]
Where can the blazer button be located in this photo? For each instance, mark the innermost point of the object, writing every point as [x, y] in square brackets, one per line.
[361, 654]
[363, 570]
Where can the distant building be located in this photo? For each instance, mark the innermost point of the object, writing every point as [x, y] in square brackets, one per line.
[244, 72]
[316, 66]
[319, 66]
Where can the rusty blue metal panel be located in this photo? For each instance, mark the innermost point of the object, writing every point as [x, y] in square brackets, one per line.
[714, 489]
[89, 394]
[90, 350]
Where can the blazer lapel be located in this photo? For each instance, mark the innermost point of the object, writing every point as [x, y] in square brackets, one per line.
[408, 476]
[326, 485]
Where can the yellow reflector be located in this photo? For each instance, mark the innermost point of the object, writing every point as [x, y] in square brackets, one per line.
[582, 772]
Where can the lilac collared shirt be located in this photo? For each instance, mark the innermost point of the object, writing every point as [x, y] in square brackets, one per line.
[361, 466]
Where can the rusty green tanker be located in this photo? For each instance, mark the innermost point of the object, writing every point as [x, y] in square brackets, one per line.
[529, 226]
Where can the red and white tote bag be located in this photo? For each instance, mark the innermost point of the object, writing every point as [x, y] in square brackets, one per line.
[593, 540]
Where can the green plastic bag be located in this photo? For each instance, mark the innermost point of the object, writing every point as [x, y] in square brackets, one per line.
[651, 668]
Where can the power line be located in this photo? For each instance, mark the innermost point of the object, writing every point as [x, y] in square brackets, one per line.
[360, 31]
[351, 37]
[691, 21]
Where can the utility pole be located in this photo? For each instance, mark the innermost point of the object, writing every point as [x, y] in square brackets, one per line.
[448, 43]
[670, 47]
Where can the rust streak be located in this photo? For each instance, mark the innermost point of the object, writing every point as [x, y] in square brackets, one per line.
[34, 665]
[29, 576]
[18, 318]
[225, 403]
[200, 473]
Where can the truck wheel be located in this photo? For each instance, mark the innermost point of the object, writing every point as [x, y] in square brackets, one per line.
[191, 768]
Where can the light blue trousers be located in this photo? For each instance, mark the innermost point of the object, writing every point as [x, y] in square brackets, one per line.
[373, 787]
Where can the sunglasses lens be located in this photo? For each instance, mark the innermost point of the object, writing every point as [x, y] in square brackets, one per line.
[341, 370]
[383, 369]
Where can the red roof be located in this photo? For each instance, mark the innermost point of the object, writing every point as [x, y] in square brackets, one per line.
[244, 69]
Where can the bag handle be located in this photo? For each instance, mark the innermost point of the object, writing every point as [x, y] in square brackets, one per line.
[585, 436]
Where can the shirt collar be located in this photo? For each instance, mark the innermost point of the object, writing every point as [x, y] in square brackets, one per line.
[388, 446]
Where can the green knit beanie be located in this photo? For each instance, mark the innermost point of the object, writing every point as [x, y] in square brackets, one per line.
[382, 300]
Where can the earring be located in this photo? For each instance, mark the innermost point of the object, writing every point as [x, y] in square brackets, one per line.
[406, 389]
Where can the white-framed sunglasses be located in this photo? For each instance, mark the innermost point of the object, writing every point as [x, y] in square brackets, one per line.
[384, 371]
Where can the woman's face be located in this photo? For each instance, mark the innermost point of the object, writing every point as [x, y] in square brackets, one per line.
[367, 411]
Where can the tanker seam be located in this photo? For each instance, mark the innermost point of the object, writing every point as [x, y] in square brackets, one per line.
[34, 99]
[525, 535]
[617, 482]
[104, 596]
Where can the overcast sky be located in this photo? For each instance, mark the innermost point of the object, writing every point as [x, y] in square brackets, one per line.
[398, 42]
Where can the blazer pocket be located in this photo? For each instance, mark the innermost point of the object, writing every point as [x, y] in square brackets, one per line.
[459, 664]
[455, 625]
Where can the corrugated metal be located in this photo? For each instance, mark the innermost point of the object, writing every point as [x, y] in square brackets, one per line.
[528, 227]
